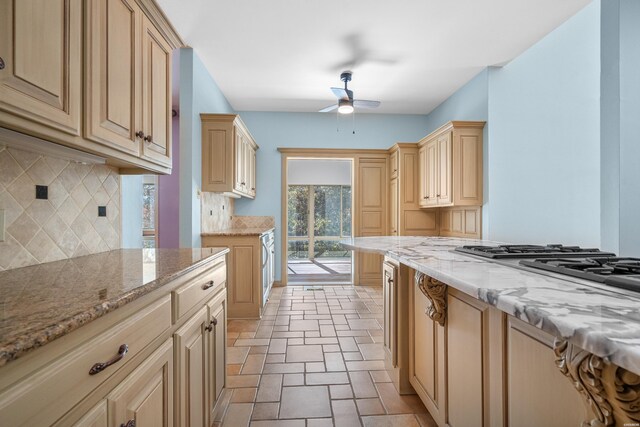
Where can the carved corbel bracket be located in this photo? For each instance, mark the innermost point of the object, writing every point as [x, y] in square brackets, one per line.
[436, 293]
[612, 392]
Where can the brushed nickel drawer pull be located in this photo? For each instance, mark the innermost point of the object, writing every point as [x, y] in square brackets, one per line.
[130, 423]
[207, 285]
[101, 366]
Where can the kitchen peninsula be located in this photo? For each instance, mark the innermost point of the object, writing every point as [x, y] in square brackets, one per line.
[483, 343]
[99, 337]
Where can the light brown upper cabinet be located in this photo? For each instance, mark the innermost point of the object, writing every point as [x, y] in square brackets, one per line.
[41, 63]
[105, 90]
[228, 156]
[450, 163]
[406, 217]
[128, 74]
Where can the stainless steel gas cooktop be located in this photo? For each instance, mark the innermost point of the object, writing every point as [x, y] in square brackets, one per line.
[589, 264]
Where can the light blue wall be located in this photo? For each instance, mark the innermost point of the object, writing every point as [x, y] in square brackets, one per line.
[630, 128]
[610, 126]
[470, 102]
[199, 93]
[131, 211]
[313, 130]
[544, 138]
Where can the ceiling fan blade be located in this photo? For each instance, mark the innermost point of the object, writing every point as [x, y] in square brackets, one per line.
[329, 108]
[362, 103]
[339, 92]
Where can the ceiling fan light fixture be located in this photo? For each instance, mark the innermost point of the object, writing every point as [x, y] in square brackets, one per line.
[345, 106]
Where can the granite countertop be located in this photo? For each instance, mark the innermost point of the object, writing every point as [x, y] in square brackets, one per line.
[604, 321]
[239, 232]
[43, 302]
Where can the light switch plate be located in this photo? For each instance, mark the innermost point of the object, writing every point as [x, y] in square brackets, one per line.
[1, 225]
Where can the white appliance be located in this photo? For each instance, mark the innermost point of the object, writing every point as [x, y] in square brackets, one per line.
[268, 264]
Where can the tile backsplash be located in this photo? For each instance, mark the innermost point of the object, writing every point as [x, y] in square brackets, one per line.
[217, 214]
[64, 225]
[216, 211]
[253, 222]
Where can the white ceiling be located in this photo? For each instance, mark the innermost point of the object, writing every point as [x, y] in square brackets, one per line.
[283, 55]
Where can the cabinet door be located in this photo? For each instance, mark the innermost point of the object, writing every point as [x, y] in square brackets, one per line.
[251, 180]
[146, 395]
[422, 176]
[239, 161]
[156, 95]
[191, 366]
[217, 349]
[444, 160]
[389, 279]
[427, 370]
[395, 207]
[372, 193]
[394, 163]
[466, 361]
[40, 47]
[534, 381]
[432, 174]
[95, 417]
[113, 74]
[246, 166]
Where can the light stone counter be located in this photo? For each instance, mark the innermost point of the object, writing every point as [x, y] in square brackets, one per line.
[605, 322]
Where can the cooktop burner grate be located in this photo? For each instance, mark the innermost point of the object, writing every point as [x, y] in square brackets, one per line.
[619, 272]
[532, 251]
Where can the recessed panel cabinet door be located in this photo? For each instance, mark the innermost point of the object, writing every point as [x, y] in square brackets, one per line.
[394, 207]
[113, 77]
[156, 95]
[191, 363]
[217, 351]
[146, 395]
[239, 161]
[432, 174]
[444, 160]
[40, 67]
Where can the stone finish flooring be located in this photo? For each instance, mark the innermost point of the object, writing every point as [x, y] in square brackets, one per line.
[315, 359]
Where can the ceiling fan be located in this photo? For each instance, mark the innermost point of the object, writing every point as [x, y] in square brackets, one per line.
[346, 103]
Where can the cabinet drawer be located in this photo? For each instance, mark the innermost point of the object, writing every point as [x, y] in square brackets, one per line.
[202, 287]
[52, 390]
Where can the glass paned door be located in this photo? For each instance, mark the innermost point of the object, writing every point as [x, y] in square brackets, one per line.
[318, 217]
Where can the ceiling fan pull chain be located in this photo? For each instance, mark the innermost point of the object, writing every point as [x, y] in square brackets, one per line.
[353, 123]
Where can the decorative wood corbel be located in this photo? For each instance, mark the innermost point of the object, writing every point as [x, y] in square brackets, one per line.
[612, 392]
[436, 293]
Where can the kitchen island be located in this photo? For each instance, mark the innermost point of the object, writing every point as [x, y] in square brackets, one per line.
[96, 340]
[488, 344]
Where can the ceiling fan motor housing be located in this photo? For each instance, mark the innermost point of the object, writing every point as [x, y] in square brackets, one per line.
[346, 76]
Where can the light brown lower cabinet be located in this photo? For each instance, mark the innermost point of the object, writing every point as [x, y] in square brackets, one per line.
[145, 397]
[172, 374]
[250, 279]
[486, 368]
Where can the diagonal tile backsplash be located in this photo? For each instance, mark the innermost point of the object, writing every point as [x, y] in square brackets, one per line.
[67, 223]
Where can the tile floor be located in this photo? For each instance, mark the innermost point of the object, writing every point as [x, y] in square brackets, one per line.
[315, 359]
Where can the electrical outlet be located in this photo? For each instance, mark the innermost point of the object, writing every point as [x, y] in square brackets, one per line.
[1, 225]
[102, 211]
